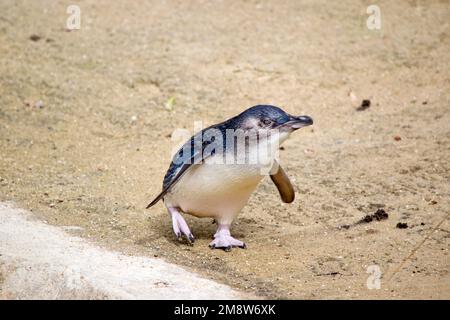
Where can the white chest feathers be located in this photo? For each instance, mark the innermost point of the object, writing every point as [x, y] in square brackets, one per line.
[213, 190]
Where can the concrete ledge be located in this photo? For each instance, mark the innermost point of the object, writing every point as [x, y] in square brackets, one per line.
[40, 261]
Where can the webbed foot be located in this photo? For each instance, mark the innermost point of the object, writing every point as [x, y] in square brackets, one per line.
[224, 240]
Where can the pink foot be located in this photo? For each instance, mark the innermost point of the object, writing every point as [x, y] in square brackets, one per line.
[180, 226]
[224, 240]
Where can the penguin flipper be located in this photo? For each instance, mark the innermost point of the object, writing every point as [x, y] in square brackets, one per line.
[284, 185]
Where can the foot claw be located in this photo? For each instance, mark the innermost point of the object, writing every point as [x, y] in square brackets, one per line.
[191, 238]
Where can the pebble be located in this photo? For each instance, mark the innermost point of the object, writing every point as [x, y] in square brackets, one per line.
[39, 104]
[402, 225]
[35, 37]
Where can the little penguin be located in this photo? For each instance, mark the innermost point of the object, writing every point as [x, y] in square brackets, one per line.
[215, 172]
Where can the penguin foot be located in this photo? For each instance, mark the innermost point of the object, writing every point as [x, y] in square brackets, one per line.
[180, 226]
[226, 243]
[223, 240]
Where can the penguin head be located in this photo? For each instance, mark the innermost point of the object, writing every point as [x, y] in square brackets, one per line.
[267, 117]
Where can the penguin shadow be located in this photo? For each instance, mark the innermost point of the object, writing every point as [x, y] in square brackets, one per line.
[203, 229]
[161, 226]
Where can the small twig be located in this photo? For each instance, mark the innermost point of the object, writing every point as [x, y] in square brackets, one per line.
[335, 273]
[417, 247]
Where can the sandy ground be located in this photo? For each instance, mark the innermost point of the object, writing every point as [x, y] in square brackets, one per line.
[39, 261]
[85, 135]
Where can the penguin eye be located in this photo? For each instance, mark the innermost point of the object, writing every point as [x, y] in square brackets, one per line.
[266, 122]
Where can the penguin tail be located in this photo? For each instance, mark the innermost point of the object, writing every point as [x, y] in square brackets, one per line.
[155, 201]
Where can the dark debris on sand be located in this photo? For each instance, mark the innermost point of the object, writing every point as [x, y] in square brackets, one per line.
[402, 225]
[364, 105]
[379, 215]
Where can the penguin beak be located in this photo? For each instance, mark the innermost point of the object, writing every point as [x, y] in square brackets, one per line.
[295, 123]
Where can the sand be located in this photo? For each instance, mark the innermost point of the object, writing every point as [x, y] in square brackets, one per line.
[86, 119]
